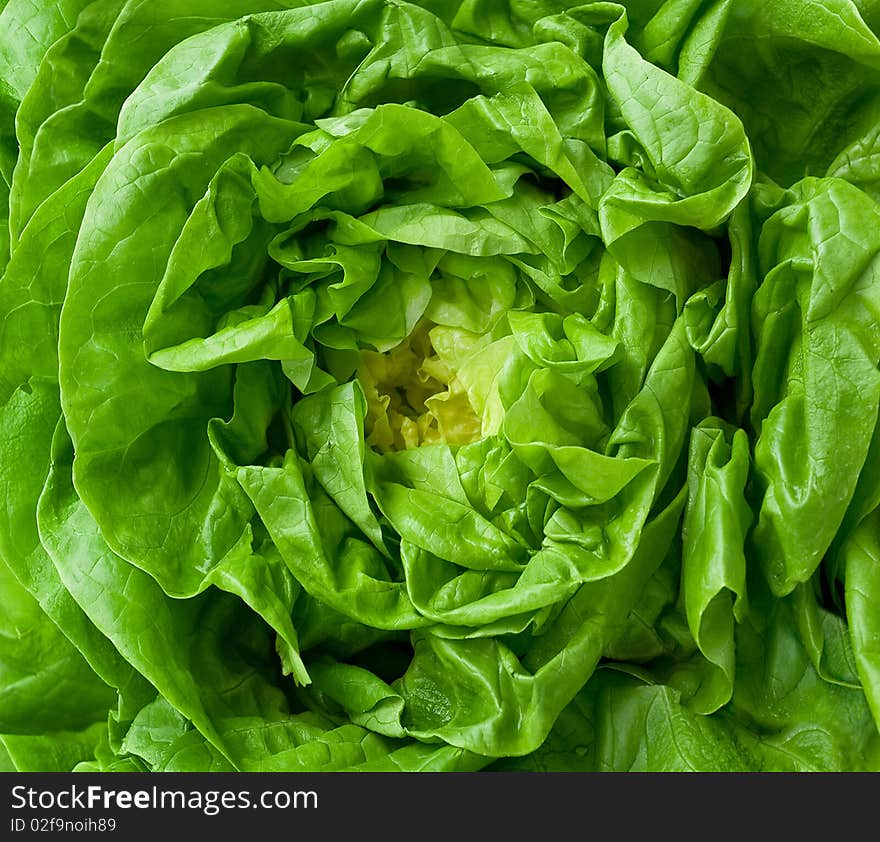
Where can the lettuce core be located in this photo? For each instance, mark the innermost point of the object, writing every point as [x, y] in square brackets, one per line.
[414, 397]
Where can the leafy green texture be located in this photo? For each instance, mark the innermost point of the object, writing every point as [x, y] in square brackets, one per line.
[439, 386]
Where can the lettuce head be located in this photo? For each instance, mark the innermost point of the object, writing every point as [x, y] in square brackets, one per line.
[441, 385]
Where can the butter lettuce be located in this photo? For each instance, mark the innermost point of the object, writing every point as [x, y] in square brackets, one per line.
[439, 386]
